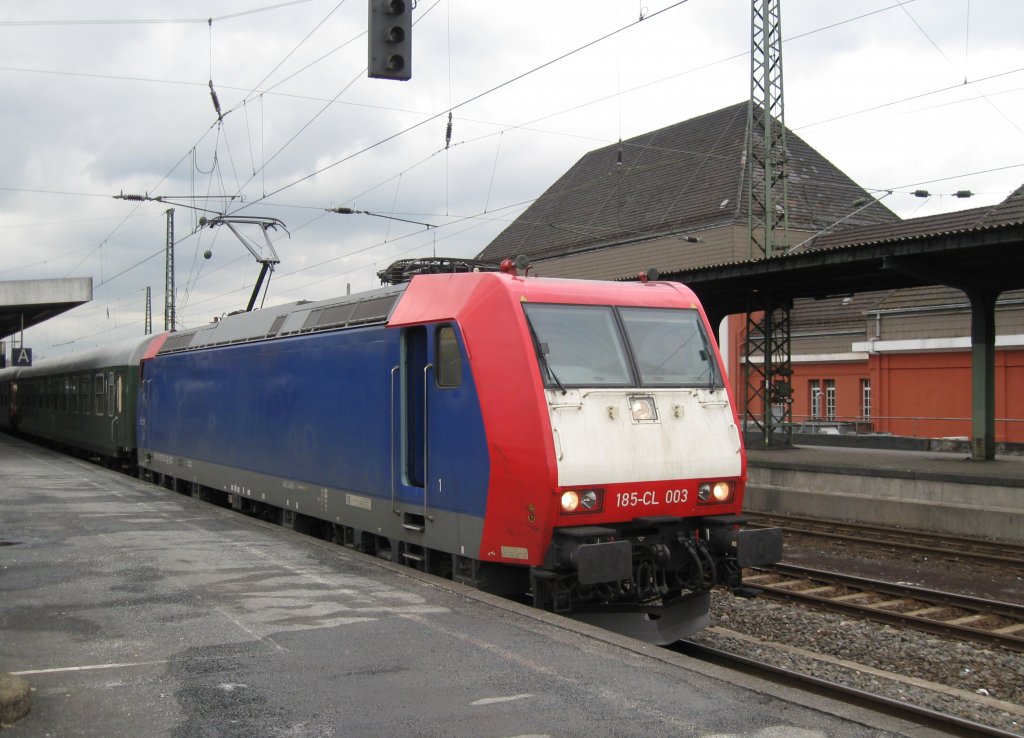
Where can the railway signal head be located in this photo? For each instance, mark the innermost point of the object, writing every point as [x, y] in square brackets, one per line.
[389, 44]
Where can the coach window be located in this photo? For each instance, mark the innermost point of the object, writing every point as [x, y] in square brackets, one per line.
[85, 394]
[110, 393]
[449, 358]
[99, 387]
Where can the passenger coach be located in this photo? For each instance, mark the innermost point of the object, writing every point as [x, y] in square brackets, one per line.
[83, 401]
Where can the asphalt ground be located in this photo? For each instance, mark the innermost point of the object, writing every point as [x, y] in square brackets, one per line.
[131, 610]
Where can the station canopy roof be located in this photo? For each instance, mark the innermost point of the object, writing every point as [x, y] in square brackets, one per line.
[28, 302]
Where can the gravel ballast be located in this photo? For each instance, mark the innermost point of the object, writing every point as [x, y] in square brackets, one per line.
[965, 679]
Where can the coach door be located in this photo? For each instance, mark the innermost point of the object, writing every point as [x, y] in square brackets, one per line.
[12, 409]
[143, 400]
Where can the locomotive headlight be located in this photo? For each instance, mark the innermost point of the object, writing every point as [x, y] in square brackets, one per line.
[642, 408]
[712, 492]
[722, 491]
[583, 501]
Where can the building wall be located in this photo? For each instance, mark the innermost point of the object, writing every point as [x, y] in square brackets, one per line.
[922, 394]
[912, 347]
[929, 394]
[846, 378]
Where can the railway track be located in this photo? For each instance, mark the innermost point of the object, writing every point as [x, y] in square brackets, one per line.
[948, 724]
[972, 549]
[943, 613]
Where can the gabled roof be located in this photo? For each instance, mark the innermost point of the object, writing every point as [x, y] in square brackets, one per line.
[1009, 212]
[684, 177]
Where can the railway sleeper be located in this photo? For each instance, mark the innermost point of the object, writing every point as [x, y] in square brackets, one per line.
[891, 604]
[820, 591]
[968, 619]
[1010, 629]
[852, 597]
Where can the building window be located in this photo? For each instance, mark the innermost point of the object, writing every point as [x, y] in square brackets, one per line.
[815, 399]
[830, 399]
[865, 398]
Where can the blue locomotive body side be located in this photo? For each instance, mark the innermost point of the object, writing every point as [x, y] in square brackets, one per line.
[321, 409]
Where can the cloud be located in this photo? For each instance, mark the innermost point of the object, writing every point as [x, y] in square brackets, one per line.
[95, 109]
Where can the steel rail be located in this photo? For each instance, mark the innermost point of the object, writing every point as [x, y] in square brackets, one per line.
[950, 724]
[993, 552]
[841, 592]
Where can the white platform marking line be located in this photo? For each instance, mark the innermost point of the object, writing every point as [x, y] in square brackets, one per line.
[495, 700]
[263, 639]
[90, 667]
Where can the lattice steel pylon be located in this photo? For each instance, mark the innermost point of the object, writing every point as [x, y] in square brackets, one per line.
[767, 366]
[169, 274]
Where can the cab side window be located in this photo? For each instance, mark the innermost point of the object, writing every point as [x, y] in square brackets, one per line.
[448, 358]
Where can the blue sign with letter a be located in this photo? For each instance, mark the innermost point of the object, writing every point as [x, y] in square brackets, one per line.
[21, 356]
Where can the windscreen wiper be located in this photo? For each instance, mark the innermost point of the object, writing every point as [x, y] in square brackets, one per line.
[542, 356]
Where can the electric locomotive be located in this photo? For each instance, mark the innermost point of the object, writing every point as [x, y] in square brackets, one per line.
[571, 439]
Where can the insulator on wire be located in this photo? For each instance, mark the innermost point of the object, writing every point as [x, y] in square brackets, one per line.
[216, 102]
[963, 194]
[922, 193]
[448, 133]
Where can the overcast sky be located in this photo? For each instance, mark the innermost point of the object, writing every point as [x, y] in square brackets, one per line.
[111, 97]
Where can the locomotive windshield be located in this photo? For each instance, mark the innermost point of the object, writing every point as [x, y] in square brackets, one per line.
[602, 346]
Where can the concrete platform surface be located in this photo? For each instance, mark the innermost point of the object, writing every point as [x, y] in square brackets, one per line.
[131, 610]
[921, 490]
[927, 465]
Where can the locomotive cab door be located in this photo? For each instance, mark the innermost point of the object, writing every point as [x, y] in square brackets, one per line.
[415, 367]
[431, 448]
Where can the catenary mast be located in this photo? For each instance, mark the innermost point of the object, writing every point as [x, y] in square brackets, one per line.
[767, 366]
